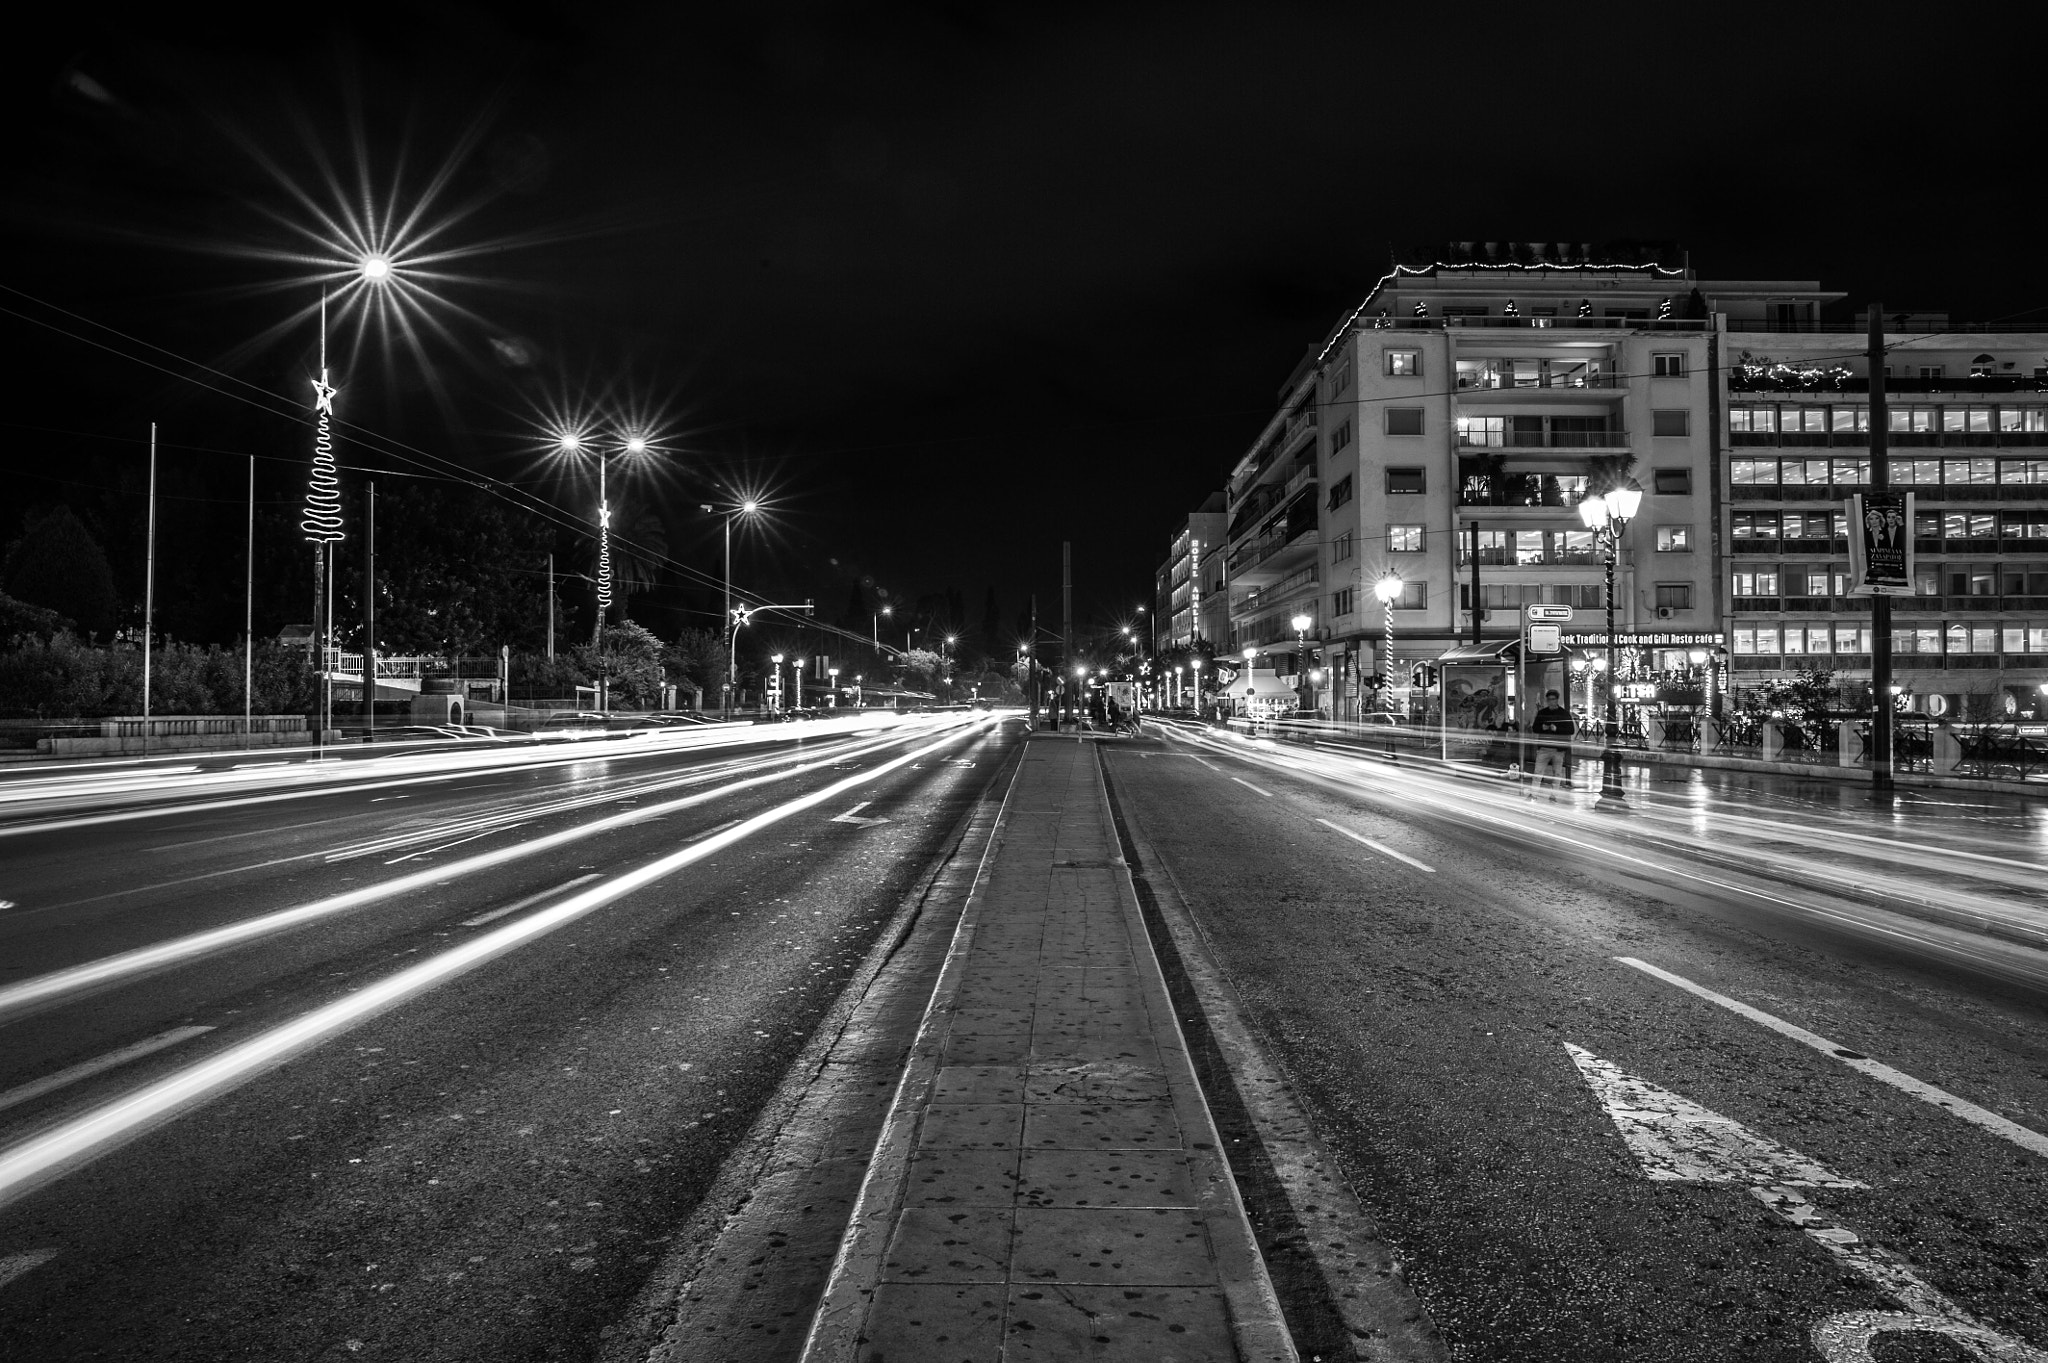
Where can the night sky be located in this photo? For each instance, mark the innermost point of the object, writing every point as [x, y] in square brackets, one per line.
[950, 285]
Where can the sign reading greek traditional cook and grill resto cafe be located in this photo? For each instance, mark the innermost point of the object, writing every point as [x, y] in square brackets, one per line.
[1881, 544]
[1662, 638]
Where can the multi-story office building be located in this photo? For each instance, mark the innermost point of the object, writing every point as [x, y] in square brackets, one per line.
[1465, 411]
[1967, 432]
[1178, 609]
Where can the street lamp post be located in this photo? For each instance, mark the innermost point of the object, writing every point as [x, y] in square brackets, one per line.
[1195, 669]
[796, 669]
[833, 673]
[1608, 517]
[780, 706]
[1388, 589]
[745, 508]
[1303, 688]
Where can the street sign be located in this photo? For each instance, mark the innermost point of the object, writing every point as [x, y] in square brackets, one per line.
[1558, 613]
[1543, 639]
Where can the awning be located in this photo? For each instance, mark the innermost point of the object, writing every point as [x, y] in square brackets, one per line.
[1487, 653]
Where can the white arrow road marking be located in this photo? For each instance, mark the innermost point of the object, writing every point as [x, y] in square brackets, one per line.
[2023, 1137]
[12, 1266]
[1380, 848]
[1252, 788]
[86, 1069]
[854, 816]
[1674, 1138]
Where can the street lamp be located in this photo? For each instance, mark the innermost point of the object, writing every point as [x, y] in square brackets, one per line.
[1388, 589]
[732, 624]
[776, 658]
[833, 673]
[875, 625]
[796, 671]
[1195, 667]
[1608, 516]
[1302, 685]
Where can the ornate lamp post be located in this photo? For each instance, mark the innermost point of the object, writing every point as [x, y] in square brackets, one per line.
[1302, 686]
[1608, 516]
[1195, 667]
[776, 658]
[1388, 589]
[733, 621]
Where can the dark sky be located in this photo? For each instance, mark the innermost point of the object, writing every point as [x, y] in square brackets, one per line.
[954, 284]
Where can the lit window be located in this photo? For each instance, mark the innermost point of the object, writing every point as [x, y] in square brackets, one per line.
[1404, 362]
[1484, 431]
[1752, 471]
[1404, 539]
[1674, 539]
[1753, 420]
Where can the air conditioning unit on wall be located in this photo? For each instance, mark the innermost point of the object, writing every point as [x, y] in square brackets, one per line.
[1665, 612]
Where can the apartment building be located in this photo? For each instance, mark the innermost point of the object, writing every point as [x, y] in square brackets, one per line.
[1967, 434]
[1453, 422]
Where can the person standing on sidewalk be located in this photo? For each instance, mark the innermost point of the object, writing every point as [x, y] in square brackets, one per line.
[1552, 727]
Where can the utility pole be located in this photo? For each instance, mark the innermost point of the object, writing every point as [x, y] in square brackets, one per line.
[370, 605]
[551, 607]
[1066, 612]
[1478, 610]
[1880, 604]
[149, 589]
[1031, 662]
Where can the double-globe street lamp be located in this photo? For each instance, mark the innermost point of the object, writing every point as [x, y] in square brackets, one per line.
[1304, 689]
[1608, 516]
[733, 619]
[1388, 589]
[577, 444]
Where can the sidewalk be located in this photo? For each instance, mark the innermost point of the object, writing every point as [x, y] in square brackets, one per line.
[1050, 1184]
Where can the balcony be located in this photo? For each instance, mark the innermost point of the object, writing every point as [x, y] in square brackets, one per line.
[1271, 557]
[1482, 379]
[1526, 441]
[1495, 322]
[1556, 493]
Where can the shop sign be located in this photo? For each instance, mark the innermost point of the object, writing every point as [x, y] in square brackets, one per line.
[1647, 639]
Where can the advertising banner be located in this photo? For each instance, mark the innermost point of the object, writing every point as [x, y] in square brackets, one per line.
[1881, 544]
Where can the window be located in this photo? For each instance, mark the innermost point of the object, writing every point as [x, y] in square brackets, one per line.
[1926, 582]
[1484, 431]
[1668, 366]
[1848, 472]
[1340, 492]
[1340, 437]
[1801, 472]
[1932, 371]
[1849, 419]
[2026, 525]
[1404, 539]
[1957, 472]
[1342, 546]
[1852, 639]
[2023, 470]
[1493, 547]
[2023, 419]
[1414, 597]
[1671, 421]
[1674, 596]
[1404, 421]
[1674, 482]
[1912, 420]
[1795, 639]
[1756, 584]
[1674, 539]
[1405, 480]
[1527, 546]
[1816, 583]
[1404, 362]
[1755, 525]
[1344, 602]
[1752, 420]
[1752, 471]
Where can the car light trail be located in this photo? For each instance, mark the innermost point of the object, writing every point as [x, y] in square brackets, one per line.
[58, 985]
[70, 1145]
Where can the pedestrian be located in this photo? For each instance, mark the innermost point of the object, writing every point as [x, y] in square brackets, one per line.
[1552, 726]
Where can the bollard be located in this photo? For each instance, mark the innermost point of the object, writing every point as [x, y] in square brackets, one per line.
[1655, 725]
[1948, 750]
[1848, 750]
[1774, 741]
[1710, 735]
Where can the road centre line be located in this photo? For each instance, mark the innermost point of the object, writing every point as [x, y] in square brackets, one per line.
[1207, 763]
[12, 1266]
[2021, 1136]
[56, 985]
[86, 1069]
[1250, 787]
[1381, 848]
[516, 905]
[72, 1145]
[429, 851]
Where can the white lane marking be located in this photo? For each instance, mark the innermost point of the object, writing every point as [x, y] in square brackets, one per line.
[71, 1145]
[2021, 1136]
[854, 816]
[1250, 787]
[57, 984]
[245, 833]
[1378, 847]
[1675, 1139]
[429, 851]
[1207, 763]
[86, 1069]
[699, 837]
[516, 905]
[12, 1266]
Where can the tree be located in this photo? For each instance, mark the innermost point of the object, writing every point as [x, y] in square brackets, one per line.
[697, 658]
[629, 659]
[922, 668]
[58, 565]
[458, 573]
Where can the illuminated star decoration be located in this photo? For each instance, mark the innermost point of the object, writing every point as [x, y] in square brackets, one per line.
[322, 520]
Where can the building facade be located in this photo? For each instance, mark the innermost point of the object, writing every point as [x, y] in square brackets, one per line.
[1967, 435]
[1180, 596]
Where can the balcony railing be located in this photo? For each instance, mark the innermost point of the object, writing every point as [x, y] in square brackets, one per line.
[1858, 328]
[1527, 323]
[1499, 380]
[1512, 441]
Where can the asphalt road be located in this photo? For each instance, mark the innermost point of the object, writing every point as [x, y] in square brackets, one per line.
[427, 1058]
[1452, 977]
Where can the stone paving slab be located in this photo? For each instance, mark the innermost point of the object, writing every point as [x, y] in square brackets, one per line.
[1049, 1183]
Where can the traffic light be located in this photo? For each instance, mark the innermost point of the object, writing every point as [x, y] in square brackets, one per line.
[1423, 675]
[1376, 680]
